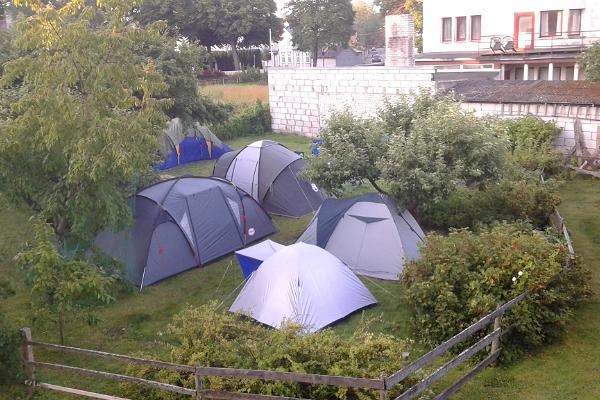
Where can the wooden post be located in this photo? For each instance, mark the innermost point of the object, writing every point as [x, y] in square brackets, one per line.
[497, 325]
[198, 382]
[27, 354]
[383, 392]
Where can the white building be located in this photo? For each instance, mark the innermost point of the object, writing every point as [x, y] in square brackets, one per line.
[285, 54]
[525, 39]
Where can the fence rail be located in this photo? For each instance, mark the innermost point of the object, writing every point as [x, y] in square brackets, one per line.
[383, 385]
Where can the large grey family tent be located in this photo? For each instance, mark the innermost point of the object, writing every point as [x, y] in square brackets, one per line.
[270, 173]
[182, 223]
[182, 145]
[368, 233]
[303, 284]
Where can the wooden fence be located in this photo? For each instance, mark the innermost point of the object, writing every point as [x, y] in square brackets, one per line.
[382, 385]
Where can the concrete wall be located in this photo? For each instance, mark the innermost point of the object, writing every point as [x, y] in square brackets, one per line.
[302, 99]
[498, 19]
[563, 115]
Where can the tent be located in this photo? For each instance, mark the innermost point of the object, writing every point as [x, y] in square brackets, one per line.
[368, 233]
[251, 257]
[182, 223]
[303, 284]
[270, 173]
[183, 145]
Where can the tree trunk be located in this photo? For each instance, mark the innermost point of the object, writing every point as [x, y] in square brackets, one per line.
[315, 53]
[236, 57]
[61, 328]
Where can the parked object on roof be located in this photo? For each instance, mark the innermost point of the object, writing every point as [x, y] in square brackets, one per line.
[183, 223]
[271, 174]
[302, 284]
[368, 233]
[183, 145]
[252, 257]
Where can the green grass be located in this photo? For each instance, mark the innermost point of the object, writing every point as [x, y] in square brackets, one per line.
[137, 321]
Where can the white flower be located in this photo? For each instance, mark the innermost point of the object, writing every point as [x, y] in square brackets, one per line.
[520, 273]
[514, 278]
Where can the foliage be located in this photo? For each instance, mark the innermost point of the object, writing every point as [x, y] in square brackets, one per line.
[208, 337]
[10, 358]
[398, 116]
[250, 75]
[369, 25]
[531, 131]
[508, 201]
[248, 58]
[218, 22]
[414, 7]
[61, 286]
[87, 125]
[318, 24]
[252, 119]
[349, 153]
[463, 276]
[590, 62]
[208, 74]
[445, 149]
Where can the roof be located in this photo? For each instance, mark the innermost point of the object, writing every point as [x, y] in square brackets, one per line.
[556, 92]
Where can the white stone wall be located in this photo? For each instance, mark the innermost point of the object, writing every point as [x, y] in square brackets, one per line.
[563, 115]
[301, 100]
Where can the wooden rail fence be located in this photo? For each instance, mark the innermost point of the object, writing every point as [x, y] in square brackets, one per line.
[383, 385]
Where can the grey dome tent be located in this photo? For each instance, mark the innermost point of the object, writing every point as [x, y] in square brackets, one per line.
[303, 284]
[270, 173]
[368, 233]
[182, 223]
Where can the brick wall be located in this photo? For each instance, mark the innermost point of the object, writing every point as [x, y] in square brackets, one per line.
[302, 99]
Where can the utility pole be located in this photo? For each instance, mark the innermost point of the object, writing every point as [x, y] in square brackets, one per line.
[271, 48]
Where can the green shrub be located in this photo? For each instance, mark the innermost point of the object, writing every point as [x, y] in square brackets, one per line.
[10, 360]
[252, 75]
[253, 119]
[508, 201]
[208, 337]
[531, 131]
[465, 275]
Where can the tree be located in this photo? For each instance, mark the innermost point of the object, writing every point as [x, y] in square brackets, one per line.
[87, 126]
[218, 22]
[317, 24]
[590, 62]
[369, 25]
[413, 7]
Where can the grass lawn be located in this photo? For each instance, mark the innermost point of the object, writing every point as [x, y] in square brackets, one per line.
[136, 322]
[240, 93]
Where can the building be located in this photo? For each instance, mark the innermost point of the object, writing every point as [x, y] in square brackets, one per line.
[285, 55]
[6, 20]
[524, 40]
[340, 57]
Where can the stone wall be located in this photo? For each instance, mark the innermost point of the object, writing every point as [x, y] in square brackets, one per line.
[302, 99]
[563, 115]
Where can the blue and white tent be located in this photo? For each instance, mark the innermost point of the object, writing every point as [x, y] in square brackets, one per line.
[251, 257]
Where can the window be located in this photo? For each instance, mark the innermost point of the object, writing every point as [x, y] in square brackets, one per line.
[475, 27]
[446, 29]
[543, 73]
[575, 22]
[551, 24]
[570, 74]
[461, 29]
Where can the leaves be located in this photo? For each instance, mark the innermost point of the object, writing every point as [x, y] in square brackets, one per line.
[590, 62]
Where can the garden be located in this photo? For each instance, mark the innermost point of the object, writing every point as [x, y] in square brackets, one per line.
[73, 154]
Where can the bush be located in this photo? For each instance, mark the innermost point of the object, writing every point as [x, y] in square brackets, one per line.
[10, 359]
[508, 201]
[254, 119]
[252, 75]
[531, 131]
[210, 338]
[211, 74]
[463, 276]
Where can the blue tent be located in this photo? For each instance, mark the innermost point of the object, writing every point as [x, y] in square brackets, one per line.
[251, 257]
[183, 145]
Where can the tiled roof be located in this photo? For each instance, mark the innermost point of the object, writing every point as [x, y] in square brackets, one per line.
[555, 92]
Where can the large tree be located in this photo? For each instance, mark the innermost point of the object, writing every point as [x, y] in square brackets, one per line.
[369, 25]
[217, 22]
[317, 24]
[414, 7]
[590, 61]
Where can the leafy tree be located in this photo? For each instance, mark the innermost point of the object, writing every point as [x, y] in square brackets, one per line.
[62, 287]
[414, 7]
[369, 25]
[590, 61]
[320, 23]
[87, 125]
[217, 22]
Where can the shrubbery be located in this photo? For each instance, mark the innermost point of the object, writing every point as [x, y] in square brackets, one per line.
[208, 337]
[465, 275]
[252, 75]
[10, 359]
[252, 119]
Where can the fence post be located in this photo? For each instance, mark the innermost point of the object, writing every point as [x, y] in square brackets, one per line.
[27, 354]
[198, 383]
[497, 325]
[383, 392]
